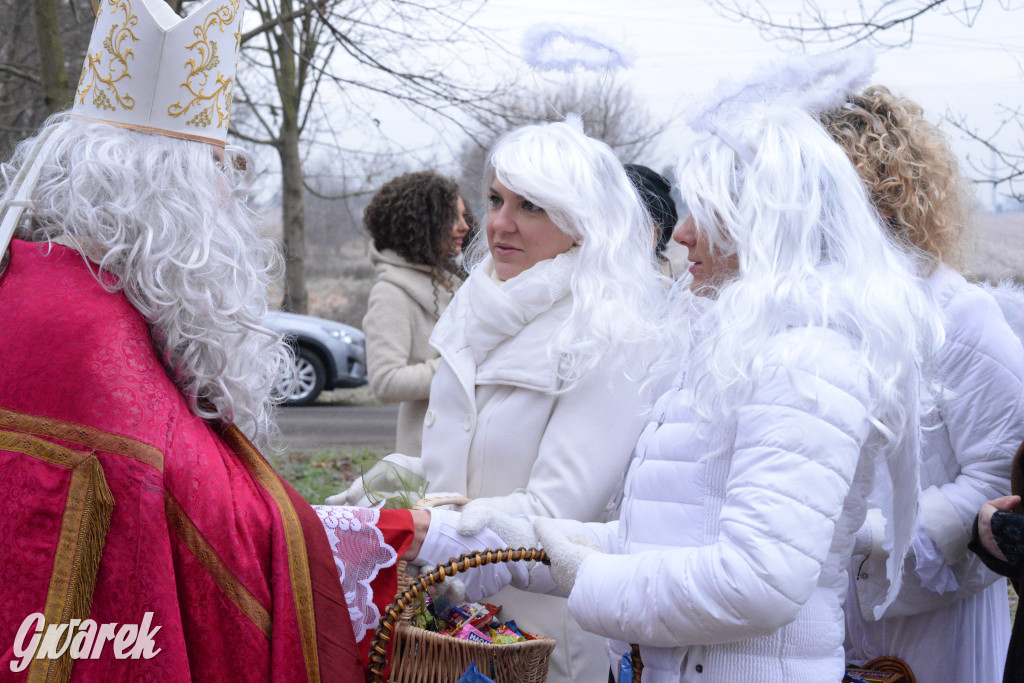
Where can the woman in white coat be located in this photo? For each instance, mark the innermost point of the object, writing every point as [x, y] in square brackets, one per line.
[417, 222]
[951, 620]
[538, 402]
[800, 381]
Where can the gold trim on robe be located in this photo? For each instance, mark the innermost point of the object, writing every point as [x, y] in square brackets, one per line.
[83, 533]
[298, 561]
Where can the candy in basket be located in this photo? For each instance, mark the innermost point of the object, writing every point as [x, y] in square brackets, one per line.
[424, 656]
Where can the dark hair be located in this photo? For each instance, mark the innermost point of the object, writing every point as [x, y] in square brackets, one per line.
[412, 214]
[655, 193]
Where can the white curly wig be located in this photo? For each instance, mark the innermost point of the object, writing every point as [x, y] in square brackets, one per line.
[618, 294]
[172, 224]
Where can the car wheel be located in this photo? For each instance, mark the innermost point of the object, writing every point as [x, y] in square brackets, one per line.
[306, 380]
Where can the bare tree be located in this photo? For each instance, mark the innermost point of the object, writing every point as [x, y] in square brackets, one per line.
[43, 42]
[53, 74]
[308, 68]
[892, 23]
[881, 22]
[1006, 164]
[609, 110]
[306, 72]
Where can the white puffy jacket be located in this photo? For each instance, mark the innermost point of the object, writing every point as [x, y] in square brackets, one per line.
[734, 539]
[967, 447]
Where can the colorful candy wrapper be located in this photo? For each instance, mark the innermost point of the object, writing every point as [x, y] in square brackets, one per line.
[472, 621]
[452, 619]
[866, 676]
[483, 618]
[512, 625]
[502, 635]
[473, 675]
[625, 668]
[472, 634]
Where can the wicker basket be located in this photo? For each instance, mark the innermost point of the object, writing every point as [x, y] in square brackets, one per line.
[893, 665]
[421, 656]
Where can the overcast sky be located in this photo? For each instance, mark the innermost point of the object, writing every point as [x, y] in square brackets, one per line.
[683, 47]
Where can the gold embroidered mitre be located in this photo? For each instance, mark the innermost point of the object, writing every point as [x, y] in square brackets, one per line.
[150, 70]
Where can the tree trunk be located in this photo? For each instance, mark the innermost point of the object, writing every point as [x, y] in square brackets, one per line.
[56, 93]
[293, 212]
[293, 219]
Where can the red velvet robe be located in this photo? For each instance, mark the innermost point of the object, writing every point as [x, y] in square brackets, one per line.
[199, 530]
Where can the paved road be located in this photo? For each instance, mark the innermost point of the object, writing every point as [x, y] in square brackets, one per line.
[339, 427]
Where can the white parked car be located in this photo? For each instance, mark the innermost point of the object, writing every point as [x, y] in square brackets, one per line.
[328, 355]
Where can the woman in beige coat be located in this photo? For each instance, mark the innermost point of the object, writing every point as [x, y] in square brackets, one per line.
[418, 223]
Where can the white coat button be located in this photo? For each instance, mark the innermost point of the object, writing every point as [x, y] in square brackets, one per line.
[428, 419]
[467, 423]
[864, 575]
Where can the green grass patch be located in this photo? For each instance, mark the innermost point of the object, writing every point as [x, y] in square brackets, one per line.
[318, 473]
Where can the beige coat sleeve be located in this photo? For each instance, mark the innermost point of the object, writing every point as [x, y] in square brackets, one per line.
[391, 326]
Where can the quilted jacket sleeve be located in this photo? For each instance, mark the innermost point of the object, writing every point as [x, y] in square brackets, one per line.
[796, 447]
[981, 366]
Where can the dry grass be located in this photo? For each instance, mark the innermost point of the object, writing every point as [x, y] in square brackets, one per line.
[322, 472]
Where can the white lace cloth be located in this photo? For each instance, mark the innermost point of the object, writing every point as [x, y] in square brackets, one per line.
[359, 554]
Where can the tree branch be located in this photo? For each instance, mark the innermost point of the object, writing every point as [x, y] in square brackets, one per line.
[15, 71]
[813, 24]
[248, 138]
[271, 22]
[1011, 163]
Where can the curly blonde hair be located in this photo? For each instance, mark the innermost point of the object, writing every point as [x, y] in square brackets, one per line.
[909, 171]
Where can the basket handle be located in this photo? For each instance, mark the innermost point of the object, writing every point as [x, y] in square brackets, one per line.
[638, 663]
[385, 630]
[404, 580]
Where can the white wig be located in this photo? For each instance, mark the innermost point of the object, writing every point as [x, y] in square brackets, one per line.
[172, 224]
[811, 252]
[618, 295]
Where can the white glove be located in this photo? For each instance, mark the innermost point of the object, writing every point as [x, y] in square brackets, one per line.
[353, 496]
[566, 553]
[395, 477]
[443, 542]
[515, 532]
